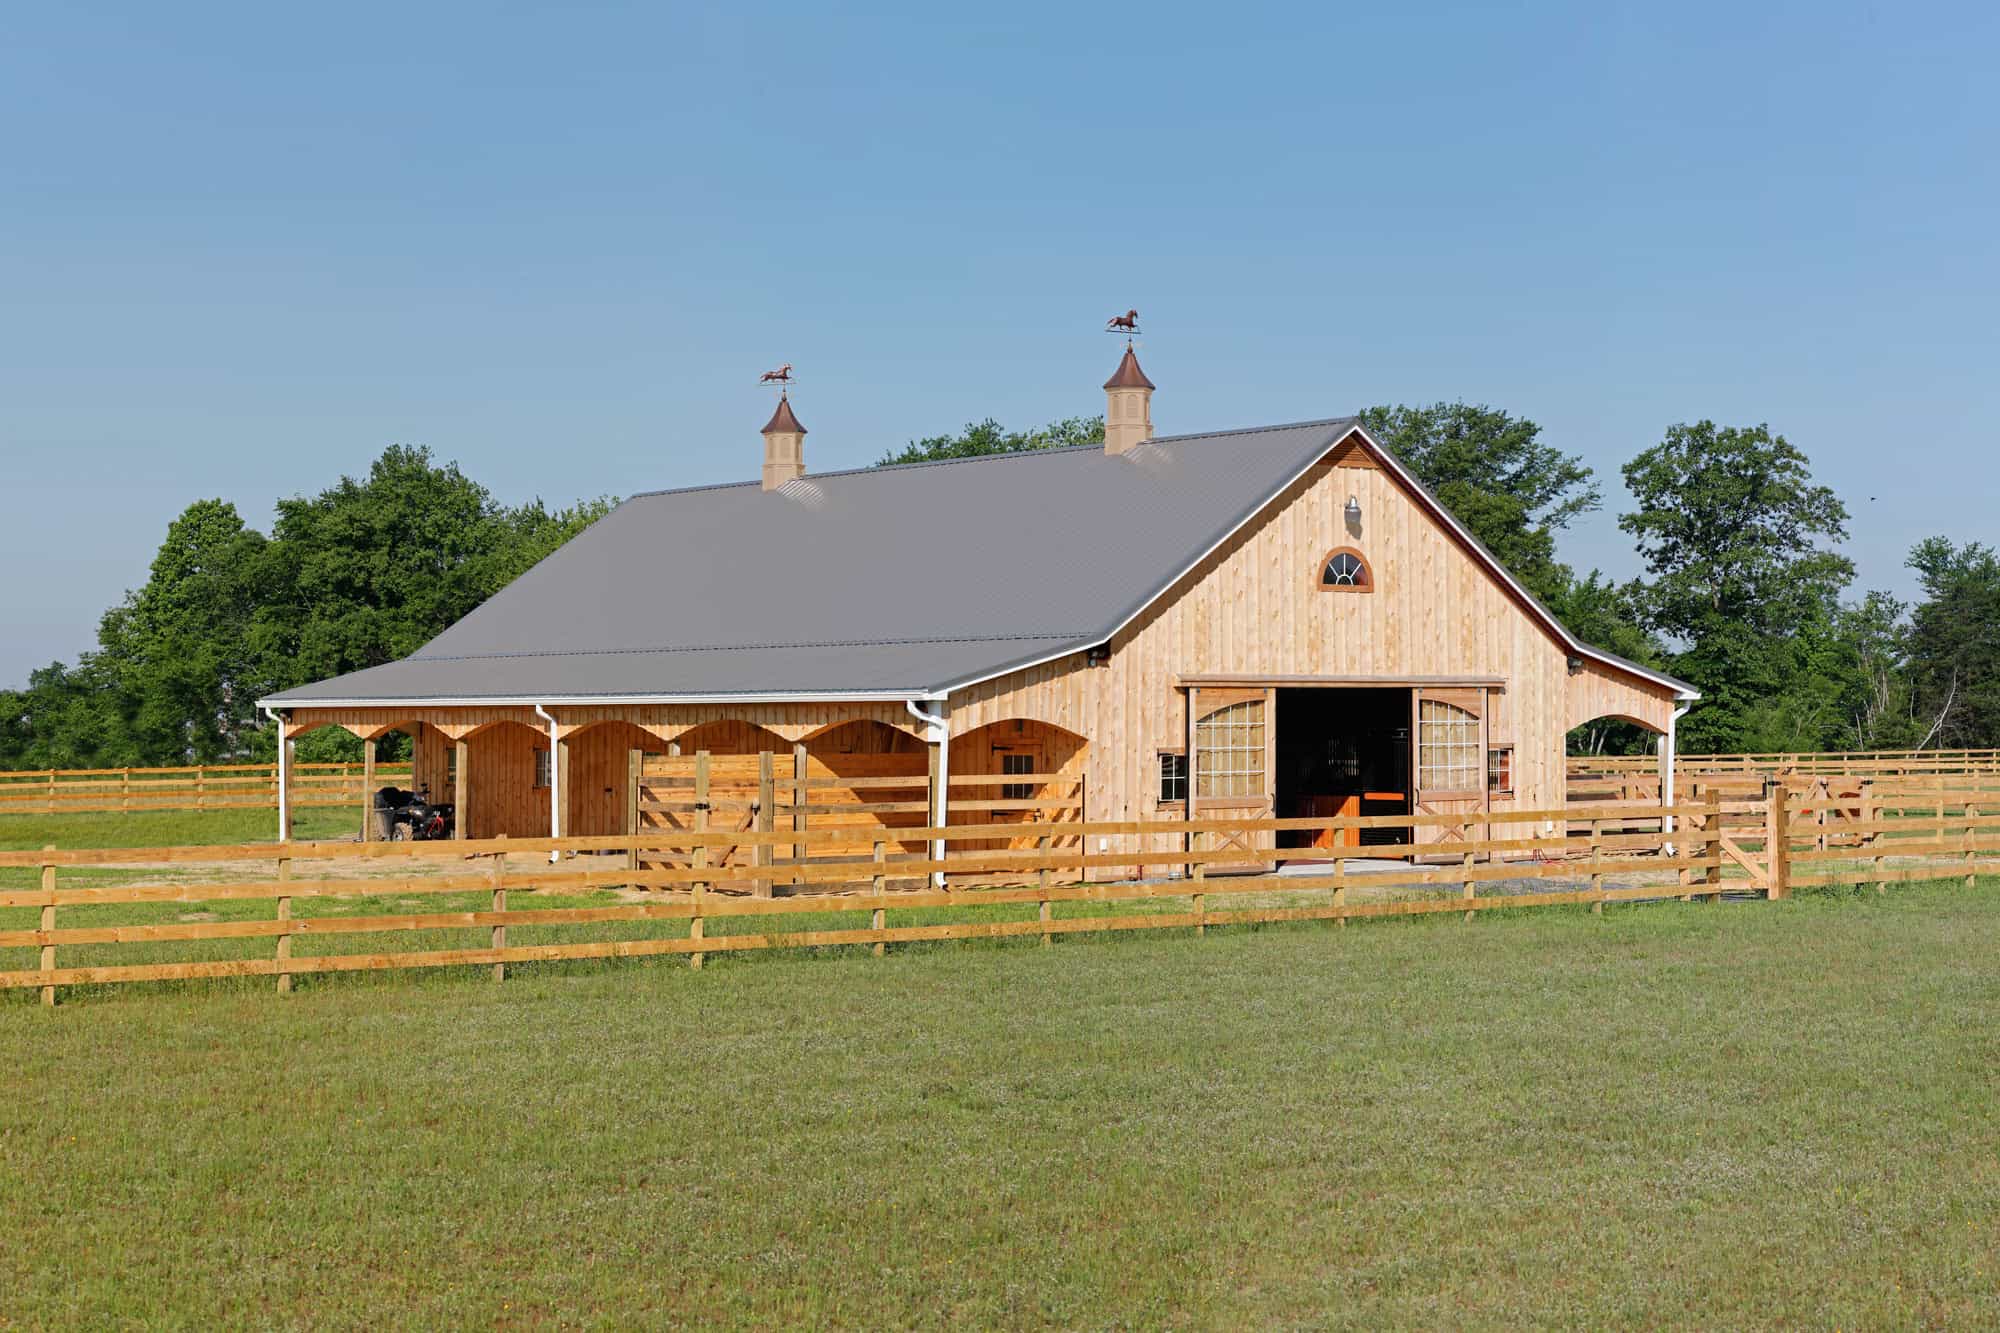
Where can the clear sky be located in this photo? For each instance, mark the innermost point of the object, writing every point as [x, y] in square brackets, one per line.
[242, 248]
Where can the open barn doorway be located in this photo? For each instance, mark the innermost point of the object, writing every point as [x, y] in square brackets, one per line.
[1341, 752]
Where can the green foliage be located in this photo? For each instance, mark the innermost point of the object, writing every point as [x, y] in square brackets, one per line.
[1745, 584]
[1497, 477]
[363, 573]
[987, 437]
[1954, 644]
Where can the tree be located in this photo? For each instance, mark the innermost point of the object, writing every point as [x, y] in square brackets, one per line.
[987, 437]
[1492, 471]
[1744, 583]
[1954, 644]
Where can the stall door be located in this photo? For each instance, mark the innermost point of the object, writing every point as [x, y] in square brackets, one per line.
[1232, 749]
[1448, 737]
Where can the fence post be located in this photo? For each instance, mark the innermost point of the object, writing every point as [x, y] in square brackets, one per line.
[52, 791]
[48, 922]
[1200, 872]
[635, 761]
[1711, 843]
[695, 927]
[125, 791]
[879, 919]
[368, 790]
[200, 787]
[497, 873]
[1871, 813]
[1465, 835]
[1043, 846]
[285, 935]
[1777, 839]
[767, 799]
[1596, 867]
[1971, 843]
[800, 820]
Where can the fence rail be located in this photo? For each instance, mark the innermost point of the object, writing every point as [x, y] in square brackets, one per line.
[197, 787]
[1854, 763]
[1765, 842]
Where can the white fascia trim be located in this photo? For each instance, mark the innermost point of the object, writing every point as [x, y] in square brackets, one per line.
[1561, 632]
[604, 700]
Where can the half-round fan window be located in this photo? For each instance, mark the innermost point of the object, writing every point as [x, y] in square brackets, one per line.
[1343, 570]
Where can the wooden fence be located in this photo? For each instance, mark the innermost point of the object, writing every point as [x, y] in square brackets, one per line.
[1855, 763]
[199, 787]
[1740, 839]
[837, 808]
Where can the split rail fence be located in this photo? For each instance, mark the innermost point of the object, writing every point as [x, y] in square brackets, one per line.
[64, 791]
[1764, 841]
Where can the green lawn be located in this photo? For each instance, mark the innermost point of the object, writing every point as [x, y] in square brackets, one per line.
[171, 828]
[1745, 1114]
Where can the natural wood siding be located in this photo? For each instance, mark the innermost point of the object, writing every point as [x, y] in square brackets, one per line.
[1253, 608]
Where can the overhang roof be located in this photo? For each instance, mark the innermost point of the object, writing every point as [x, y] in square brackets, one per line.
[891, 582]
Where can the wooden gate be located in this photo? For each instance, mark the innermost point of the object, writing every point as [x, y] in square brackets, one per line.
[1232, 760]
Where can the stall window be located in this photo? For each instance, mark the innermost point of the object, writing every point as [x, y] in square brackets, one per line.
[542, 770]
[1017, 763]
[1173, 778]
[1447, 748]
[1229, 751]
[1500, 770]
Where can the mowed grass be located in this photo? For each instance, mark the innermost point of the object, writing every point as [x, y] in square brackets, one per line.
[1725, 1115]
[171, 828]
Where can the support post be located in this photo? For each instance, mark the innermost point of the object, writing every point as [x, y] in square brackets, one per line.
[497, 874]
[635, 766]
[1597, 867]
[48, 923]
[1042, 872]
[1777, 840]
[879, 919]
[701, 850]
[368, 790]
[285, 744]
[285, 915]
[767, 821]
[801, 820]
[560, 817]
[461, 789]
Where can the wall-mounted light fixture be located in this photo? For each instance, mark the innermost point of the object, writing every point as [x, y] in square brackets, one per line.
[1098, 656]
[1353, 509]
[1575, 666]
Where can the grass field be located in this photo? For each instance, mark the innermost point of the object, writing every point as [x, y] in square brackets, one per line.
[1722, 1115]
[170, 828]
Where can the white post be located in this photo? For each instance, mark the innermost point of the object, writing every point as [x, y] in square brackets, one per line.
[937, 730]
[555, 780]
[284, 778]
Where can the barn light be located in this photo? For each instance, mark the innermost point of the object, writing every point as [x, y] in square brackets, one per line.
[1098, 656]
[1353, 509]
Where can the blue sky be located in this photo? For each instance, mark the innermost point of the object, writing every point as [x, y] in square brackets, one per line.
[242, 248]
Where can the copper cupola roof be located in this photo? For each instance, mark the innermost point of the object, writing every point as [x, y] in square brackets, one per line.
[1128, 375]
[782, 421]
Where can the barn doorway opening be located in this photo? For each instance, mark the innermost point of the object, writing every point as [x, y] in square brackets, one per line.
[1342, 752]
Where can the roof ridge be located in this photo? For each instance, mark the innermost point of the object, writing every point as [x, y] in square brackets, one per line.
[419, 656]
[875, 468]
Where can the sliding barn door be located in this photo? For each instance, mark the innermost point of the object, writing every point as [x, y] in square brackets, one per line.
[1233, 753]
[1448, 739]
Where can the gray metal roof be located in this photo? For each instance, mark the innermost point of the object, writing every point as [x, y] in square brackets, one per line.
[889, 582]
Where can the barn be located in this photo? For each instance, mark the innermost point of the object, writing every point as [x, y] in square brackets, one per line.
[1275, 620]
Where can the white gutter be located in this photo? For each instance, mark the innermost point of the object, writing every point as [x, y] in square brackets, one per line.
[284, 776]
[937, 729]
[592, 700]
[1669, 757]
[555, 779]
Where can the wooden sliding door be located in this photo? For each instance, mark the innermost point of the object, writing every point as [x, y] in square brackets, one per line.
[1448, 760]
[1231, 753]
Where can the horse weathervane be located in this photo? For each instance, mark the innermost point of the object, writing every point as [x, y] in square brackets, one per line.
[782, 376]
[1127, 323]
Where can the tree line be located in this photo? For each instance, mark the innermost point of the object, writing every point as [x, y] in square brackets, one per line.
[1744, 593]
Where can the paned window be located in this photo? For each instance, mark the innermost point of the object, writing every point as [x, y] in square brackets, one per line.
[542, 770]
[1500, 770]
[1173, 778]
[1345, 571]
[1017, 763]
[1229, 751]
[1448, 755]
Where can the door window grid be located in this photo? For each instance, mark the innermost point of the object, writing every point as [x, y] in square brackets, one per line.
[1448, 750]
[1017, 763]
[1229, 751]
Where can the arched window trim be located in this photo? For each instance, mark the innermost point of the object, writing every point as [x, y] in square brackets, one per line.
[1367, 579]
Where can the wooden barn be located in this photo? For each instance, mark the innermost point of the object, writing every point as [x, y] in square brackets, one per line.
[1273, 620]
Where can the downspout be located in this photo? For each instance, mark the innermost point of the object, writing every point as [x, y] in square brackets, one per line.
[555, 780]
[284, 775]
[1669, 757]
[938, 733]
